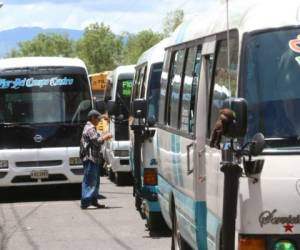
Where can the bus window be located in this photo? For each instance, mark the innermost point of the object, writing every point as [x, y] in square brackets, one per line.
[163, 89]
[134, 93]
[175, 81]
[191, 80]
[221, 77]
[142, 81]
[154, 88]
[123, 95]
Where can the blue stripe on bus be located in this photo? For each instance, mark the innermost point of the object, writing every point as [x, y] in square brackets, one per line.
[197, 224]
[153, 206]
[176, 160]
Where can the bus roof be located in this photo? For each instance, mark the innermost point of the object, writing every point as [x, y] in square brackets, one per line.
[101, 73]
[244, 15]
[24, 62]
[155, 54]
[124, 69]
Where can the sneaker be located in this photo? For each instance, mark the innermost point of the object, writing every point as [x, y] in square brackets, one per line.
[83, 207]
[97, 205]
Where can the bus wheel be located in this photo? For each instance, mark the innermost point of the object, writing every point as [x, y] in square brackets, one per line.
[156, 223]
[119, 179]
[178, 243]
[111, 175]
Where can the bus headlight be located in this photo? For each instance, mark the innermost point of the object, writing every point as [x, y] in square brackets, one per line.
[121, 153]
[75, 161]
[284, 245]
[3, 164]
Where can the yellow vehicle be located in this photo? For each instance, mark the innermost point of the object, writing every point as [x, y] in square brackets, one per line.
[99, 83]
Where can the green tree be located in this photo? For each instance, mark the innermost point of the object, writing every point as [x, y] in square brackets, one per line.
[172, 20]
[100, 48]
[45, 44]
[139, 43]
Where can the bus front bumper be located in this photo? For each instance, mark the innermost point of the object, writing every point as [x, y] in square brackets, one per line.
[23, 167]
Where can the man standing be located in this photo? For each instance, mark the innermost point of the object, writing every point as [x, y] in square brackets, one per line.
[91, 142]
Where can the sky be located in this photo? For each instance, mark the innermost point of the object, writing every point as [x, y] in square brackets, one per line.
[121, 15]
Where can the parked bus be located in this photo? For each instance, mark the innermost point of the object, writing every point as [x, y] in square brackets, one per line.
[99, 83]
[44, 103]
[116, 151]
[143, 152]
[264, 68]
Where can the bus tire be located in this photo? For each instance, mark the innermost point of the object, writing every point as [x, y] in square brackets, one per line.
[119, 179]
[156, 223]
[111, 175]
[178, 243]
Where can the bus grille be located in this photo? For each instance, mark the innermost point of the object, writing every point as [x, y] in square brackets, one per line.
[33, 164]
[28, 179]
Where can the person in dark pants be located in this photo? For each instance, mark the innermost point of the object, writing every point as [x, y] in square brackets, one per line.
[91, 140]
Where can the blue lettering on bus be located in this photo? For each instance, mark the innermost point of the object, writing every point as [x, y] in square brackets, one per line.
[31, 82]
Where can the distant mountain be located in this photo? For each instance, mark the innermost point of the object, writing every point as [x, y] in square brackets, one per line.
[9, 39]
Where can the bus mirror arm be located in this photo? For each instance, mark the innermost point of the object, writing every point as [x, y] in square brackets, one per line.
[139, 108]
[232, 157]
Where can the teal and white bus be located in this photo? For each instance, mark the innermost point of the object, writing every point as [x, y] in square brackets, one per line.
[143, 136]
[264, 68]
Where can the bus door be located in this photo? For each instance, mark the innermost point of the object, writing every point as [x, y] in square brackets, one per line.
[218, 90]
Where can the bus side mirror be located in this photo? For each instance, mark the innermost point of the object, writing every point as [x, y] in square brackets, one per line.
[111, 107]
[151, 121]
[238, 127]
[257, 144]
[100, 106]
[139, 108]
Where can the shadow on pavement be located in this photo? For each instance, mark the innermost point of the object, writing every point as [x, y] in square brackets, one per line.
[163, 233]
[40, 193]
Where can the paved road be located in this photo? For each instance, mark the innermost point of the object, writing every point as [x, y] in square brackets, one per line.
[50, 218]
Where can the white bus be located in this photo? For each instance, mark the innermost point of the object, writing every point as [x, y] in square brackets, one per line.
[116, 151]
[143, 136]
[43, 107]
[264, 69]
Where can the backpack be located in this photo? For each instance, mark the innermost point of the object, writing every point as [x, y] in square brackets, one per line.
[84, 149]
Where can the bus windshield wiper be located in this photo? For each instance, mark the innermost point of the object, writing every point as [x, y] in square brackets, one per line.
[14, 124]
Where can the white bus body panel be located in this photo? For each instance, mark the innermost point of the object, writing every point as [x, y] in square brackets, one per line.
[278, 188]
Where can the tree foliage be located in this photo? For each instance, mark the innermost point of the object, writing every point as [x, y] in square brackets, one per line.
[139, 43]
[45, 44]
[100, 48]
[172, 20]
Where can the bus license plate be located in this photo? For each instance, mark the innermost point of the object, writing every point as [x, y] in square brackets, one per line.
[42, 174]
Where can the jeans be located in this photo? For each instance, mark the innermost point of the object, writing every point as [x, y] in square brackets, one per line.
[90, 183]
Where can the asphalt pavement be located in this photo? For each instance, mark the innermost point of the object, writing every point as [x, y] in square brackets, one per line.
[51, 218]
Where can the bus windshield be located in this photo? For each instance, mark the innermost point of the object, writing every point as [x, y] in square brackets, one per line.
[154, 90]
[272, 86]
[124, 94]
[44, 98]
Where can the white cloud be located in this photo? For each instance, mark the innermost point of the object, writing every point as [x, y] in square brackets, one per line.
[78, 15]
